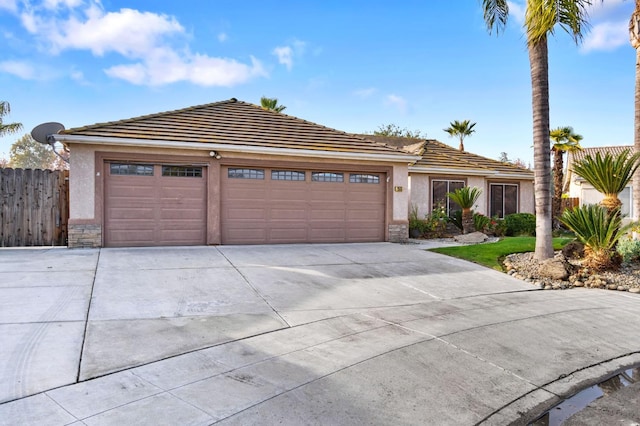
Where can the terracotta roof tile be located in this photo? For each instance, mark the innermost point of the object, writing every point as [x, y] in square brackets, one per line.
[236, 123]
[592, 151]
[436, 154]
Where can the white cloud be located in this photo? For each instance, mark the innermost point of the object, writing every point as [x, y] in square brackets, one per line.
[606, 36]
[151, 41]
[285, 56]
[10, 5]
[398, 102]
[222, 37]
[54, 4]
[23, 70]
[166, 67]
[286, 53]
[128, 32]
[516, 11]
[365, 93]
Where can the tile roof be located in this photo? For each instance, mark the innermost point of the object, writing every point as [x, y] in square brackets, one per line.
[592, 151]
[236, 123]
[436, 154]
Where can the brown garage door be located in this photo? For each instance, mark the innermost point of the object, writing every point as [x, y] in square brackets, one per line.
[153, 205]
[263, 205]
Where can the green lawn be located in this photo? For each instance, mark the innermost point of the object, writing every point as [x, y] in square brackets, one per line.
[491, 254]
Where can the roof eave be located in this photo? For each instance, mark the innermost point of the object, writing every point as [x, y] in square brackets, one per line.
[250, 149]
[470, 172]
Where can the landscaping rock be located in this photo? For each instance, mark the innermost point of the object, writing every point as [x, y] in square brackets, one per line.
[573, 250]
[555, 268]
[472, 238]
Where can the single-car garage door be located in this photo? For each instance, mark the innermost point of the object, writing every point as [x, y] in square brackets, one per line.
[153, 205]
[273, 205]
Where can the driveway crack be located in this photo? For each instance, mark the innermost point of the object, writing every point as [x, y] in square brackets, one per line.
[86, 319]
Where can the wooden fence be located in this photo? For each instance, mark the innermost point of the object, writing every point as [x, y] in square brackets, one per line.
[569, 203]
[34, 207]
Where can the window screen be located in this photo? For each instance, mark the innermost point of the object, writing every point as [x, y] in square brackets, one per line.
[504, 199]
[439, 199]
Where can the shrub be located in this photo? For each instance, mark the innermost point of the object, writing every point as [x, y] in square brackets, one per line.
[497, 227]
[600, 232]
[456, 219]
[629, 249]
[520, 224]
[481, 222]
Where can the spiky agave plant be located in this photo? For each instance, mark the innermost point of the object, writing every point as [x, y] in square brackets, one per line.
[466, 197]
[609, 174]
[599, 230]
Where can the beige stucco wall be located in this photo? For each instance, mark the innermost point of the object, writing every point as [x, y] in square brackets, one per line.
[419, 193]
[82, 182]
[527, 200]
[400, 198]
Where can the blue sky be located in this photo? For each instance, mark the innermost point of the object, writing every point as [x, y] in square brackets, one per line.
[351, 65]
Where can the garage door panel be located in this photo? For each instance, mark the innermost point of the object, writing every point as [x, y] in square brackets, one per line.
[293, 213]
[155, 210]
[288, 234]
[301, 211]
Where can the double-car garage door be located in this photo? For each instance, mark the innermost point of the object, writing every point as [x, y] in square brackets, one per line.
[147, 204]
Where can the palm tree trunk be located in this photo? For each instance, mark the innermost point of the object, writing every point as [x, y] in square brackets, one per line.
[634, 36]
[558, 167]
[636, 135]
[539, 62]
[467, 221]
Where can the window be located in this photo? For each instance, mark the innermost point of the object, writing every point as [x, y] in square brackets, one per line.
[439, 199]
[287, 175]
[245, 173]
[363, 178]
[503, 199]
[131, 169]
[327, 177]
[182, 171]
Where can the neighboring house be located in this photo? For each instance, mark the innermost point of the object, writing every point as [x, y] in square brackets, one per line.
[587, 194]
[231, 173]
[506, 188]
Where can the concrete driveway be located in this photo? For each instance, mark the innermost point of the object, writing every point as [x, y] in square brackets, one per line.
[293, 334]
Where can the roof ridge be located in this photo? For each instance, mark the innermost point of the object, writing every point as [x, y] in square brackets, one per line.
[153, 115]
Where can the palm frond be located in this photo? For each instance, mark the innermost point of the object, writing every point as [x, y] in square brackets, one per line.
[496, 13]
[609, 174]
[595, 226]
[465, 197]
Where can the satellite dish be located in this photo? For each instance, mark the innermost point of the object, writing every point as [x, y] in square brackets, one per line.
[42, 132]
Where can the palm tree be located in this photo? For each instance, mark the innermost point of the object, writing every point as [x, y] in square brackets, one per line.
[460, 129]
[6, 129]
[609, 175]
[271, 104]
[634, 37]
[541, 16]
[466, 197]
[564, 140]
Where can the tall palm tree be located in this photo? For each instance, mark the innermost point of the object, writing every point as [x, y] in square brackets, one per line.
[634, 37]
[564, 140]
[466, 197]
[6, 129]
[271, 104]
[541, 17]
[460, 129]
[609, 175]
